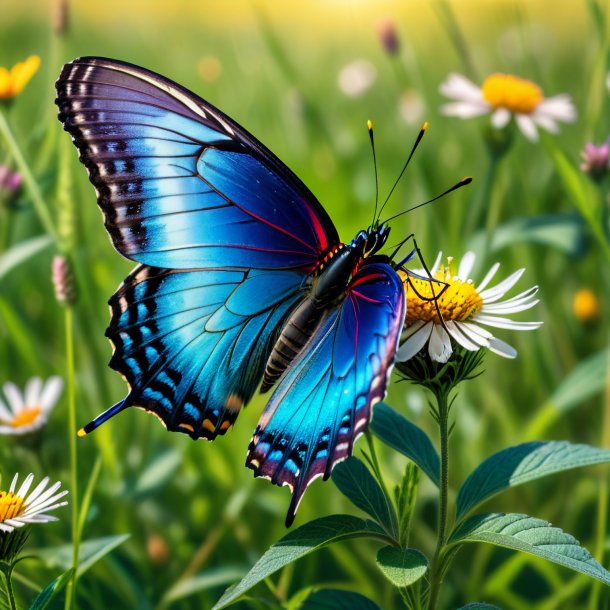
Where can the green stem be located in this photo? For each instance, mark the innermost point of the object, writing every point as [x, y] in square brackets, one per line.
[10, 594]
[436, 575]
[71, 593]
[371, 444]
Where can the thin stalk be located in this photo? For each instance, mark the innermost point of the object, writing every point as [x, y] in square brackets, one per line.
[28, 179]
[485, 193]
[436, 576]
[76, 531]
[10, 594]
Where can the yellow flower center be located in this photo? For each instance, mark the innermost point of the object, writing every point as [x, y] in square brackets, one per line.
[459, 300]
[26, 417]
[11, 505]
[511, 92]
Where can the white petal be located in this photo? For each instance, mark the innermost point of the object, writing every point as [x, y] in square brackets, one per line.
[14, 483]
[5, 414]
[458, 87]
[32, 392]
[439, 346]
[37, 490]
[527, 127]
[41, 506]
[507, 308]
[47, 507]
[10, 431]
[46, 495]
[476, 337]
[502, 349]
[505, 323]
[6, 528]
[460, 337]
[526, 294]
[414, 343]
[50, 393]
[465, 110]
[466, 265]
[25, 486]
[500, 118]
[488, 277]
[558, 107]
[499, 290]
[546, 123]
[411, 330]
[13, 396]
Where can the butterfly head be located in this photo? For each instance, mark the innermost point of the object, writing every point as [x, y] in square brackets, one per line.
[369, 242]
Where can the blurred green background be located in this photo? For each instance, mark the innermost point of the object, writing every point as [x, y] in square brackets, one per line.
[192, 508]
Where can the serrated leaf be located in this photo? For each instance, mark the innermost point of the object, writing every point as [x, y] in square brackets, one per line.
[208, 579]
[44, 598]
[355, 481]
[304, 540]
[523, 463]
[22, 251]
[336, 599]
[402, 567]
[90, 552]
[530, 535]
[158, 473]
[407, 438]
[479, 606]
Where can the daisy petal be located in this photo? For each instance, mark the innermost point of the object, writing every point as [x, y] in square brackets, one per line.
[5, 414]
[14, 397]
[439, 345]
[458, 87]
[527, 127]
[32, 391]
[505, 323]
[460, 337]
[51, 392]
[546, 123]
[502, 349]
[414, 343]
[25, 486]
[465, 110]
[466, 265]
[477, 330]
[488, 277]
[558, 107]
[505, 308]
[500, 118]
[497, 292]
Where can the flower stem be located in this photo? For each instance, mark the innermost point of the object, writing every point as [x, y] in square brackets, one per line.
[76, 531]
[436, 576]
[10, 594]
[30, 182]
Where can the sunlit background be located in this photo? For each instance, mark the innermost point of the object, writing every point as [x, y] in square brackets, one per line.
[304, 78]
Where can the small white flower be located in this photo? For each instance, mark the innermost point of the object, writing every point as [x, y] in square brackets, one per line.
[465, 309]
[27, 411]
[357, 77]
[505, 96]
[17, 509]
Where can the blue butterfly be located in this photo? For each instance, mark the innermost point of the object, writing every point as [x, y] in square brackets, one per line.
[242, 279]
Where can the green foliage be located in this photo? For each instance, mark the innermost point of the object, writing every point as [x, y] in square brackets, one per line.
[402, 567]
[479, 606]
[530, 535]
[22, 252]
[355, 481]
[45, 597]
[407, 438]
[336, 599]
[523, 463]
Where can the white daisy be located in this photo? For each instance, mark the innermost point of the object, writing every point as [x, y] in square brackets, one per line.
[505, 96]
[465, 309]
[18, 509]
[27, 411]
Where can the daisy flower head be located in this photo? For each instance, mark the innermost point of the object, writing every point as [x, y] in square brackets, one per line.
[13, 81]
[505, 96]
[467, 309]
[28, 411]
[17, 508]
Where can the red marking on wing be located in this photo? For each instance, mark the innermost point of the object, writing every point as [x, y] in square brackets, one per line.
[317, 225]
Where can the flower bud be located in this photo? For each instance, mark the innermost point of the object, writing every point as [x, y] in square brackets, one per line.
[63, 280]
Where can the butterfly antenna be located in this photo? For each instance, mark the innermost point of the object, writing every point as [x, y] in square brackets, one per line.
[369, 125]
[460, 184]
[420, 135]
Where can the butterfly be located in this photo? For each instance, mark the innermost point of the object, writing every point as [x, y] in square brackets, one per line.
[241, 281]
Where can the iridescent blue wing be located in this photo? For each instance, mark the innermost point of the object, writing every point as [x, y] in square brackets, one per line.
[180, 184]
[323, 402]
[193, 344]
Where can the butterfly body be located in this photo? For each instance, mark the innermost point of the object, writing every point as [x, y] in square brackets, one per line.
[241, 277]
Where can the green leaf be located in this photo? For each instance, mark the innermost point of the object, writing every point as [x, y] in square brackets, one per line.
[402, 567]
[530, 535]
[44, 598]
[158, 473]
[355, 481]
[304, 540]
[22, 251]
[203, 581]
[521, 464]
[479, 606]
[407, 438]
[336, 599]
[90, 552]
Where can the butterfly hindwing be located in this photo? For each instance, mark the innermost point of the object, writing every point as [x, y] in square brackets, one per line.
[181, 185]
[193, 344]
[323, 402]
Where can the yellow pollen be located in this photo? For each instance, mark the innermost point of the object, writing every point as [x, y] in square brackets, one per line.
[511, 92]
[459, 300]
[26, 417]
[11, 506]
